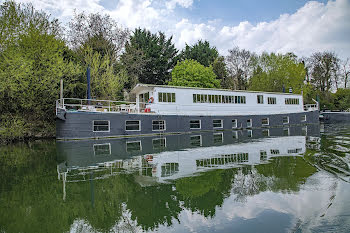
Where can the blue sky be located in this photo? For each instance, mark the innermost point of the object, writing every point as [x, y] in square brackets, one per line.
[280, 26]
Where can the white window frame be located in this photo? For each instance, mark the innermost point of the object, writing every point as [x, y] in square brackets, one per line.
[133, 129]
[222, 137]
[200, 139]
[268, 121]
[287, 120]
[200, 123]
[128, 142]
[251, 123]
[154, 139]
[288, 134]
[268, 132]
[260, 97]
[159, 129]
[250, 133]
[235, 133]
[93, 126]
[236, 123]
[102, 144]
[222, 124]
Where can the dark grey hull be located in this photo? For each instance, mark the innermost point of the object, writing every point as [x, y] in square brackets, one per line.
[79, 125]
[335, 117]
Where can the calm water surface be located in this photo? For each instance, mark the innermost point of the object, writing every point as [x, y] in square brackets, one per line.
[268, 180]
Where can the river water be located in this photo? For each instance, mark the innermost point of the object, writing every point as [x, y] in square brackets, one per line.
[293, 179]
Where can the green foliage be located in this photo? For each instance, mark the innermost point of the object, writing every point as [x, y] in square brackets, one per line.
[190, 73]
[275, 71]
[159, 56]
[202, 52]
[342, 99]
[219, 68]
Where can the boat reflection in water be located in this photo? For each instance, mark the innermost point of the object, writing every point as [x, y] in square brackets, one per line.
[260, 180]
[175, 156]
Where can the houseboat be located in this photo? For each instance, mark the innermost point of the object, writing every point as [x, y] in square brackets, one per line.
[171, 109]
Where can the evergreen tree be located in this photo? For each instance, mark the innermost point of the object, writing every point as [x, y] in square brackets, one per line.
[202, 52]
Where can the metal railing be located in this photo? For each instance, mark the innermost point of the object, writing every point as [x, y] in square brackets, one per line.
[94, 105]
[311, 107]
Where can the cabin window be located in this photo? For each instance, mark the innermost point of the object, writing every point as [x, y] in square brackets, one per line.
[294, 151]
[226, 99]
[158, 143]
[260, 99]
[290, 101]
[133, 146]
[196, 140]
[158, 125]
[102, 149]
[286, 132]
[285, 120]
[217, 123]
[303, 118]
[234, 123]
[218, 138]
[249, 123]
[235, 135]
[263, 155]
[275, 152]
[101, 126]
[271, 100]
[132, 125]
[166, 97]
[266, 133]
[195, 124]
[250, 133]
[265, 121]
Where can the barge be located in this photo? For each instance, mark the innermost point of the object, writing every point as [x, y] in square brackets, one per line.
[171, 110]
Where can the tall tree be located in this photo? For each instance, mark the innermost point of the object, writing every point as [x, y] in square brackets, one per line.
[219, 68]
[158, 56]
[274, 72]
[99, 32]
[345, 71]
[201, 52]
[190, 73]
[324, 70]
[240, 65]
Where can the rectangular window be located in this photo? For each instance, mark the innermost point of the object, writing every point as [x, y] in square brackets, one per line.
[133, 146]
[286, 132]
[101, 126]
[294, 151]
[234, 123]
[303, 118]
[166, 97]
[194, 98]
[158, 143]
[250, 133]
[218, 138]
[263, 155]
[249, 123]
[271, 100]
[266, 133]
[102, 149]
[132, 125]
[158, 125]
[285, 120]
[217, 123]
[275, 152]
[196, 140]
[235, 135]
[260, 99]
[289, 101]
[265, 121]
[195, 124]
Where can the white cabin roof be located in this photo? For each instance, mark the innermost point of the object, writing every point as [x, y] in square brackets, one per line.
[140, 87]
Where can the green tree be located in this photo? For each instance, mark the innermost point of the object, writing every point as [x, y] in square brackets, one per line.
[158, 57]
[202, 52]
[190, 73]
[276, 71]
[219, 68]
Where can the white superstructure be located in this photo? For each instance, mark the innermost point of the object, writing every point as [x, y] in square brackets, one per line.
[171, 100]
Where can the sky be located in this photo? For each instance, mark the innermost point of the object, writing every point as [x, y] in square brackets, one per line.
[279, 26]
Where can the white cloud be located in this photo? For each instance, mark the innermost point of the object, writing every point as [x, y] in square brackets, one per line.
[183, 3]
[314, 27]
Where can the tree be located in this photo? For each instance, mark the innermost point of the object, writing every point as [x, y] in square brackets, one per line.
[99, 32]
[240, 64]
[345, 71]
[324, 70]
[201, 52]
[159, 56]
[190, 73]
[274, 72]
[219, 68]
